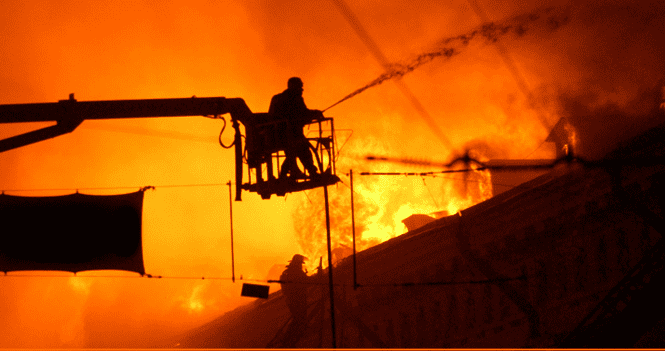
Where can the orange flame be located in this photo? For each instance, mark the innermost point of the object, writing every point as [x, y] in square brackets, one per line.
[381, 203]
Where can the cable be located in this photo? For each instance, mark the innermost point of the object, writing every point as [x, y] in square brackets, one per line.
[339, 151]
[465, 159]
[430, 193]
[568, 159]
[510, 63]
[376, 52]
[512, 186]
[321, 283]
[485, 281]
[422, 174]
[431, 174]
[121, 187]
[220, 136]
[146, 276]
[536, 149]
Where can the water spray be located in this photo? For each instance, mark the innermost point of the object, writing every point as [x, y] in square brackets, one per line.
[449, 47]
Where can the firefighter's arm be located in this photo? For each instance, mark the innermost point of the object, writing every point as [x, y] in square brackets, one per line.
[316, 114]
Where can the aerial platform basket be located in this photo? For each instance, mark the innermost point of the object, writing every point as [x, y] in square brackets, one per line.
[265, 152]
[265, 136]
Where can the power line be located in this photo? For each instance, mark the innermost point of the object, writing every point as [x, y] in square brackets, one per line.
[311, 283]
[510, 63]
[536, 149]
[496, 166]
[376, 52]
[484, 281]
[430, 193]
[120, 187]
[464, 159]
[421, 174]
[146, 276]
[434, 175]
[430, 174]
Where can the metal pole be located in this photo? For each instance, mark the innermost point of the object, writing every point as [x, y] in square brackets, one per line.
[330, 270]
[238, 155]
[353, 230]
[322, 303]
[233, 269]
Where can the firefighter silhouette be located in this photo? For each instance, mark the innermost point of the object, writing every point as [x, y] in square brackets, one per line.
[289, 105]
[293, 285]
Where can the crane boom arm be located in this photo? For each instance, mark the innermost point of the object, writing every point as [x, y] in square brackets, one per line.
[110, 109]
[266, 142]
[69, 114]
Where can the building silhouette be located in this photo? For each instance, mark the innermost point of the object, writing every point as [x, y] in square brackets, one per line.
[566, 259]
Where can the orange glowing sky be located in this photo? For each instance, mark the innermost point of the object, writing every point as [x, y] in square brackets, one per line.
[105, 50]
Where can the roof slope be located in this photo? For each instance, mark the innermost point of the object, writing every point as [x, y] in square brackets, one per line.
[519, 270]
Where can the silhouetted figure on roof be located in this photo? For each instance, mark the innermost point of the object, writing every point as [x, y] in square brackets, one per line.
[294, 289]
[290, 106]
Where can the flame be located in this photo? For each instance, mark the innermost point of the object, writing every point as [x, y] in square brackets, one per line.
[595, 65]
[381, 203]
[571, 133]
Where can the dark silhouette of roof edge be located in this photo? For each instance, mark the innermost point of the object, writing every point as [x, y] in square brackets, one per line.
[643, 144]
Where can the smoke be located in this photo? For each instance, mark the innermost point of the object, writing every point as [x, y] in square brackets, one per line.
[618, 50]
[381, 204]
[602, 68]
[599, 65]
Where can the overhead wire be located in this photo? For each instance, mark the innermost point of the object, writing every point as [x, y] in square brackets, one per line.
[434, 175]
[430, 174]
[436, 204]
[480, 166]
[272, 281]
[536, 149]
[464, 159]
[510, 63]
[152, 187]
[570, 158]
[379, 56]
[160, 133]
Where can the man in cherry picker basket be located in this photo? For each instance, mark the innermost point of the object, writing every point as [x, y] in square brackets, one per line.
[289, 105]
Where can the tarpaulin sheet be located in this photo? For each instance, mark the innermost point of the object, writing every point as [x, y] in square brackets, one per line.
[72, 233]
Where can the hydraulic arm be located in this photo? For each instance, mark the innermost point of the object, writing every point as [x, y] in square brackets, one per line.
[70, 113]
[264, 144]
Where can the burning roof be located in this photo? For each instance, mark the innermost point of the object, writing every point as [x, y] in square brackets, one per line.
[519, 270]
